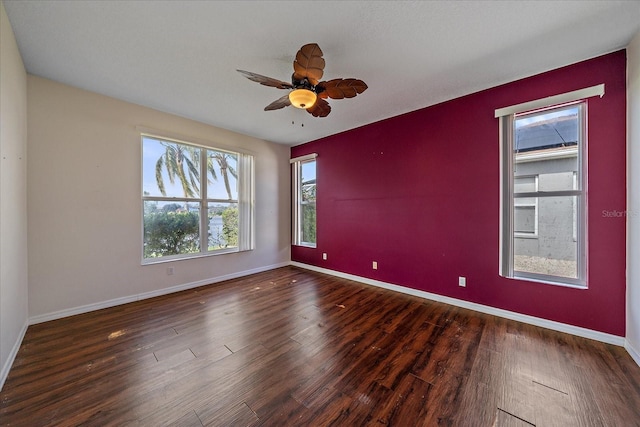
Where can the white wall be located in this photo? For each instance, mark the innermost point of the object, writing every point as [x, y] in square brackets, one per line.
[13, 197]
[84, 195]
[633, 203]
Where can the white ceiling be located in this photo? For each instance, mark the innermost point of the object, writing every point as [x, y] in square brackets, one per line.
[181, 56]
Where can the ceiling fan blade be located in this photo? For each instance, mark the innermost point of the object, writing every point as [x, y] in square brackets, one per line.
[278, 103]
[340, 88]
[264, 80]
[309, 64]
[320, 109]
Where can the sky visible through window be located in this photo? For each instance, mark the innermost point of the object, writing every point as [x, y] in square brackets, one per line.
[308, 171]
[153, 150]
[536, 117]
[546, 130]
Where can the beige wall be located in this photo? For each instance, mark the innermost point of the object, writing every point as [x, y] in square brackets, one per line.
[13, 197]
[84, 189]
[633, 204]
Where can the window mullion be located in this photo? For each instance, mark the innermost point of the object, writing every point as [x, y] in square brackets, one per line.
[559, 193]
[204, 208]
[245, 202]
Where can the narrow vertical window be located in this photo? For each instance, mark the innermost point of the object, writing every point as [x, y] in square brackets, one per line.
[303, 172]
[544, 177]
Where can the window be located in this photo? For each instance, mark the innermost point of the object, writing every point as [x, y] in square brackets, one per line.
[185, 215]
[544, 176]
[304, 200]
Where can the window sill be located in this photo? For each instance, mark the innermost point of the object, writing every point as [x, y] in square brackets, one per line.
[547, 281]
[172, 258]
[306, 245]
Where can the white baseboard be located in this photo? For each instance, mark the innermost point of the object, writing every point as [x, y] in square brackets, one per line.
[635, 354]
[12, 356]
[138, 297]
[536, 321]
[557, 326]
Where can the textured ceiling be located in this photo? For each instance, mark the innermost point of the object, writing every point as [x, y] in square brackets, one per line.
[181, 56]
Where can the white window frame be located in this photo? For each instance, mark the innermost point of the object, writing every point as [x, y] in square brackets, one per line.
[245, 200]
[297, 202]
[507, 117]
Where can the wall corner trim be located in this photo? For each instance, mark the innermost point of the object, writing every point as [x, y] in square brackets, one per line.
[536, 321]
[634, 353]
[12, 356]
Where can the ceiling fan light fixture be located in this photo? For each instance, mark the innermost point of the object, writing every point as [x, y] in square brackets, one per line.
[302, 98]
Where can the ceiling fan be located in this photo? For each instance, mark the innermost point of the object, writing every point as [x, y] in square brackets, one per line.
[308, 92]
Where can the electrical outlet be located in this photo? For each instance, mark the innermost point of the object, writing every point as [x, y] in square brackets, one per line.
[462, 281]
[324, 256]
[375, 265]
[169, 271]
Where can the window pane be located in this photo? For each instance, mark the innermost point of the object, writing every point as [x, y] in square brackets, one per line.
[304, 182]
[525, 184]
[525, 219]
[547, 144]
[555, 251]
[223, 225]
[170, 169]
[309, 192]
[309, 223]
[222, 172]
[171, 228]
[559, 181]
[308, 201]
[308, 172]
[308, 181]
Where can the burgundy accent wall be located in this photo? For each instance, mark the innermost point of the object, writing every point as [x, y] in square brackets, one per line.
[419, 194]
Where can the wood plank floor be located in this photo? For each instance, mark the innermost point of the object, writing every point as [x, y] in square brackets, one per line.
[290, 347]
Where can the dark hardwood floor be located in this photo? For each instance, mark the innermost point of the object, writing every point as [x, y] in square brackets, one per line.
[290, 347]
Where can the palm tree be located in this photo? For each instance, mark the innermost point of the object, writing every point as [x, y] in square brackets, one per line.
[225, 168]
[180, 161]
